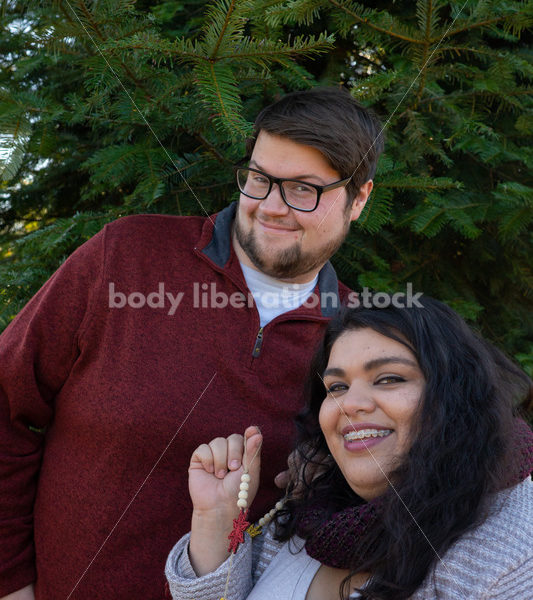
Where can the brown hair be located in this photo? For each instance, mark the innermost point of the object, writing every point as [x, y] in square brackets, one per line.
[348, 135]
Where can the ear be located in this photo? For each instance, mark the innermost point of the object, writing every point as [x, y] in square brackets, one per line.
[359, 201]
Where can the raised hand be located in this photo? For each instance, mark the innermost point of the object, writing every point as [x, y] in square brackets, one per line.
[214, 477]
[215, 472]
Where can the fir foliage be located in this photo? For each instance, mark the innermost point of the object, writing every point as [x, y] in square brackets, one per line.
[113, 107]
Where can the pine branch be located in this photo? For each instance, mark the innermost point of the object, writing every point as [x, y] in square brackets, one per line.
[218, 88]
[269, 51]
[518, 199]
[90, 20]
[95, 27]
[210, 147]
[427, 17]
[10, 165]
[152, 45]
[223, 29]
[368, 23]
[473, 26]
[301, 12]
[427, 20]
[419, 183]
[377, 211]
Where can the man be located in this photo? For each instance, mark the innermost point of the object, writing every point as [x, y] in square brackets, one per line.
[159, 332]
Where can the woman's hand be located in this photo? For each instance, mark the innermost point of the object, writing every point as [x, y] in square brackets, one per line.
[214, 479]
[216, 468]
[292, 480]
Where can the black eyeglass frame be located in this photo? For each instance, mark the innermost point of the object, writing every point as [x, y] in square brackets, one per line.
[320, 189]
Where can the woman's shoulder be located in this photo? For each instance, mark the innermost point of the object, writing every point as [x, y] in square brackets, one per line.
[495, 555]
[509, 519]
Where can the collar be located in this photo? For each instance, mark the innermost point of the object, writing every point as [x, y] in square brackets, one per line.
[215, 246]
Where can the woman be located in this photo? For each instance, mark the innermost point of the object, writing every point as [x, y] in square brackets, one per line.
[414, 480]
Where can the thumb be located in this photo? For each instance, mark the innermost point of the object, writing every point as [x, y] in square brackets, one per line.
[282, 479]
[253, 440]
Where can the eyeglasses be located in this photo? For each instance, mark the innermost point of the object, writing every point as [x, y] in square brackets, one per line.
[300, 195]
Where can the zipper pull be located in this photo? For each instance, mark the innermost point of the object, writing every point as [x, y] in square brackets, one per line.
[258, 342]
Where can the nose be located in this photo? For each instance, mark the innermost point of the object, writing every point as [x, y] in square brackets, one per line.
[274, 205]
[358, 399]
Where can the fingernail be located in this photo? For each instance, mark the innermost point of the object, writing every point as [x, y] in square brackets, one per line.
[234, 464]
[221, 474]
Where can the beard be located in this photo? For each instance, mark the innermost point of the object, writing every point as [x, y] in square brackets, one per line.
[292, 261]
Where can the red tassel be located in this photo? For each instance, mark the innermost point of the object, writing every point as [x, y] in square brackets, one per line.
[236, 537]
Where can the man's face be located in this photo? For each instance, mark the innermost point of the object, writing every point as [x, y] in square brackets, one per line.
[283, 242]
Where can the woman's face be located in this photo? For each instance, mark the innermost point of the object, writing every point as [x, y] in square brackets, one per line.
[374, 386]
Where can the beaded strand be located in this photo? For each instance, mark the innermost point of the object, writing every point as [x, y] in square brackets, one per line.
[242, 502]
[265, 520]
[240, 524]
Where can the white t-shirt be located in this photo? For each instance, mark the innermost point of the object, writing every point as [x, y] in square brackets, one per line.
[289, 574]
[274, 297]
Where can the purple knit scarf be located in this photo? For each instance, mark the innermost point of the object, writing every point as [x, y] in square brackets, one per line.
[327, 540]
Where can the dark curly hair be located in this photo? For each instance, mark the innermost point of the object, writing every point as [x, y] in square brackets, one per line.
[460, 450]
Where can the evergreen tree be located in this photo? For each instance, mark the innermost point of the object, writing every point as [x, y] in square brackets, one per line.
[112, 107]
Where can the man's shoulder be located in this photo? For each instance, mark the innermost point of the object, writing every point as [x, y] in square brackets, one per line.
[154, 224]
[154, 233]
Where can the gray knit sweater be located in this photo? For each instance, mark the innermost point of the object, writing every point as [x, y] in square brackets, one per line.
[493, 561]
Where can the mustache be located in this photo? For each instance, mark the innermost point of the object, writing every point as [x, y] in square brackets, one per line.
[278, 223]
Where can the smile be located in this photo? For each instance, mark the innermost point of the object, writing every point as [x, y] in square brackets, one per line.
[276, 228]
[366, 433]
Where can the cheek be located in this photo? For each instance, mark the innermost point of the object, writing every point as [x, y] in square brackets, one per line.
[406, 417]
[320, 223]
[246, 206]
[327, 419]
[321, 417]
[332, 211]
[306, 222]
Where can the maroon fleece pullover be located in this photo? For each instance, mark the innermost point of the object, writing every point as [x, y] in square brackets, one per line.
[91, 505]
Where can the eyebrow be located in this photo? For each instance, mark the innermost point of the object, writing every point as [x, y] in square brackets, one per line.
[373, 364]
[297, 178]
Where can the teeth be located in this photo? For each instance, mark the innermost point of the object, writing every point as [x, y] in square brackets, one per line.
[366, 433]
